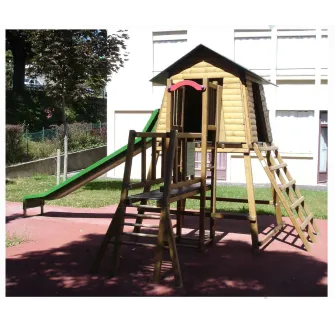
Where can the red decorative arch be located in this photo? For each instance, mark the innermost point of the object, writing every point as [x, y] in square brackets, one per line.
[190, 83]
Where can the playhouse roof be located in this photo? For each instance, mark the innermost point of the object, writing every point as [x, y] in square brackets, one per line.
[200, 53]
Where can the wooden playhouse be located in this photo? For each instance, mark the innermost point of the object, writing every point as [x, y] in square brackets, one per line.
[213, 105]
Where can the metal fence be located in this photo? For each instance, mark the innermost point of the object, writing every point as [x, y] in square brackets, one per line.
[52, 133]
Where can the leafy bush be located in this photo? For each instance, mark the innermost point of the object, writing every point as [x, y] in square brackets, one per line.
[43, 149]
[81, 136]
[15, 150]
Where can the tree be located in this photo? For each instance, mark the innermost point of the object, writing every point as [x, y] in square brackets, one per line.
[72, 61]
[17, 42]
[9, 70]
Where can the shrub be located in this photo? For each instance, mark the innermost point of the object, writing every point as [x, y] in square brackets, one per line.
[15, 150]
[43, 149]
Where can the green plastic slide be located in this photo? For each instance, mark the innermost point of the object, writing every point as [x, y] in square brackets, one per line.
[90, 173]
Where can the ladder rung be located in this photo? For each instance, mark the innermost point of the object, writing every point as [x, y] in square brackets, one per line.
[140, 225]
[268, 148]
[296, 203]
[284, 186]
[306, 221]
[138, 234]
[124, 242]
[278, 166]
[144, 216]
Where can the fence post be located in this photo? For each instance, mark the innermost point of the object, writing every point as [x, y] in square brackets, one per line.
[43, 134]
[27, 140]
[58, 166]
[100, 126]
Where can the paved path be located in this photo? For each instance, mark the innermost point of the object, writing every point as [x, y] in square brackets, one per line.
[62, 244]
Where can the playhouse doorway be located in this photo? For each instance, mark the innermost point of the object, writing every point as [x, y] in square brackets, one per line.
[193, 109]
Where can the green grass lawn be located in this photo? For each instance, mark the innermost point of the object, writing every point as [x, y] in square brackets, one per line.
[101, 193]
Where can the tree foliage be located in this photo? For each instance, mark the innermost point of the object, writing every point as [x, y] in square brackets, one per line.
[18, 43]
[75, 61]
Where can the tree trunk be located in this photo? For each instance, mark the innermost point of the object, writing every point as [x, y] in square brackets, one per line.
[19, 61]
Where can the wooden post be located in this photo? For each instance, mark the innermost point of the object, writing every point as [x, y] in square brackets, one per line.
[58, 166]
[276, 201]
[165, 226]
[251, 203]
[204, 130]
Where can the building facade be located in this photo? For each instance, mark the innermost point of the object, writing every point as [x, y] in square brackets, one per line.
[295, 59]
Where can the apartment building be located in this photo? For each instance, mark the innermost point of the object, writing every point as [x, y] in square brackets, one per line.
[293, 58]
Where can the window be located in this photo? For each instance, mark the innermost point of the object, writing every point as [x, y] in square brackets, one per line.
[293, 131]
[253, 53]
[324, 55]
[167, 48]
[296, 52]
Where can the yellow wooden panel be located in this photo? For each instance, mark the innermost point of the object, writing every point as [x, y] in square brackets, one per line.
[235, 139]
[235, 133]
[234, 127]
[228, 97]
[232, 109]
[236, 103]
[233, 115]
[234, 121]
[233, 85]
[228, 91]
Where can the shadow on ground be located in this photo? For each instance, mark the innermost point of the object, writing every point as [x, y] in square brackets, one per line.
[227, 269]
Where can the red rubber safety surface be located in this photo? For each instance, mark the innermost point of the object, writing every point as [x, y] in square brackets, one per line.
[61, 246]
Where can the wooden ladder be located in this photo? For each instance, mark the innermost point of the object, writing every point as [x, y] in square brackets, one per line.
[288, 193]
[164, 236]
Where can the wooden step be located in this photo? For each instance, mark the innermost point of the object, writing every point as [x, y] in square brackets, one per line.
[137, 234]
[278, 166]
[296, 203]
[140, 225]
[270, 148]
[139, 215]
[125, 242]
[285, 186]
[306, 221]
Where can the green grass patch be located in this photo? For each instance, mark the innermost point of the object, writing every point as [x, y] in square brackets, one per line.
[101, 193]
[15, 239]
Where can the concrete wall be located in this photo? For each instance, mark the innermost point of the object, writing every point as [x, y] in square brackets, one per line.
[76, 161]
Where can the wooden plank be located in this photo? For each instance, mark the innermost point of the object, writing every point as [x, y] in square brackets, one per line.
[232, 115]
[188, 135]
[306, 221]
[153, 158]
[237, 200]
[184, 183]
[285, 186]
[232, 103]
[141, 225]
[142, 215]
[235, 85]
[236, 139]
[143, 160]
[297, 202]
[234, 121]
[151, 134]
[235, 133]
[251, 203]
[133, 186]
[139, 234]
[235, 127]
[246, 113]
[226, 97]
[275, 167]
[228, 91]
